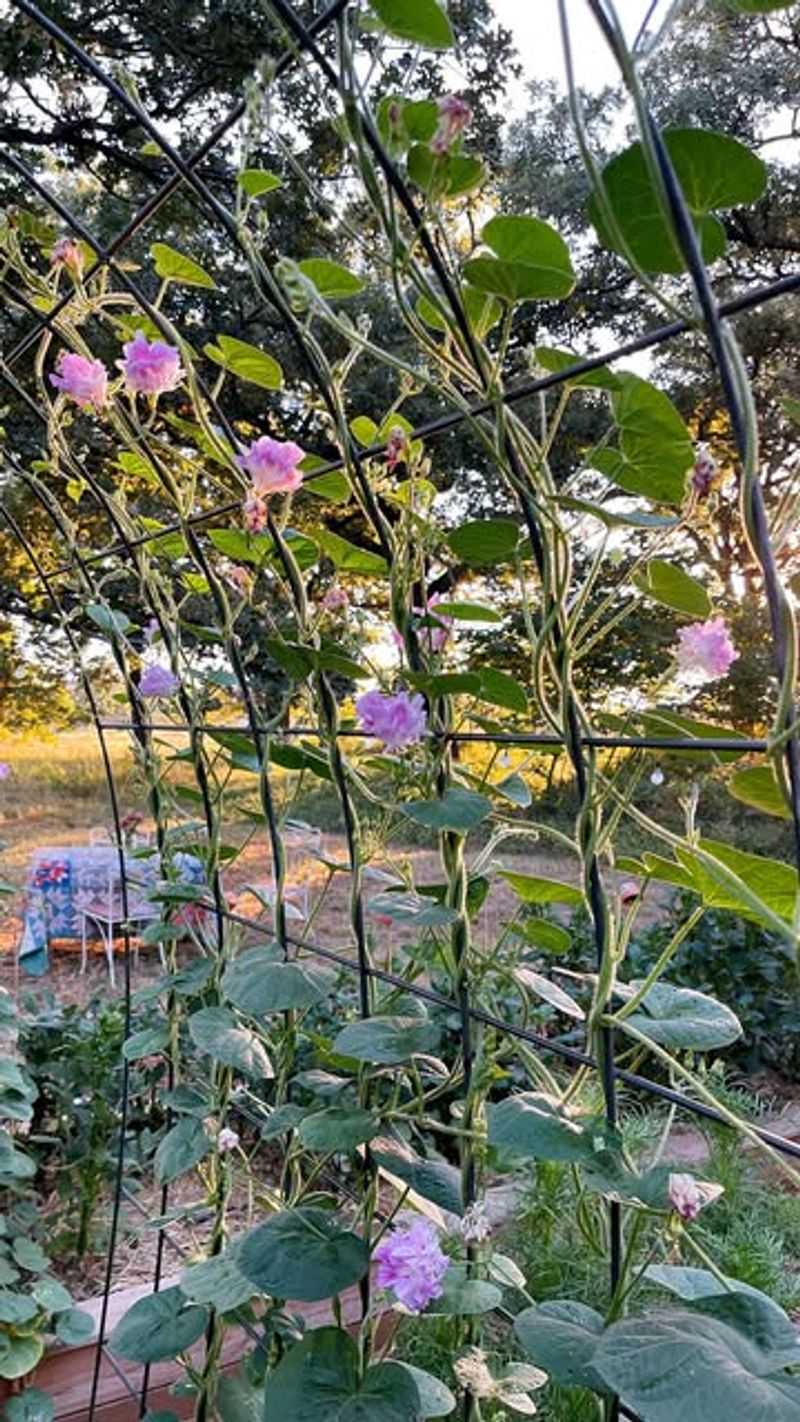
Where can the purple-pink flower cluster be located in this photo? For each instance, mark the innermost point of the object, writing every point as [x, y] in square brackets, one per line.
[150, 367]
[84, 380]
[158, 681]
[432, 638]
[454, 115]
[412, 1264]
[397, 719]
[705, 649]
[67, 253]
[272, 465]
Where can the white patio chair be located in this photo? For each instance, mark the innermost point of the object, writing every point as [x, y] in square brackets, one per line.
[103, 906]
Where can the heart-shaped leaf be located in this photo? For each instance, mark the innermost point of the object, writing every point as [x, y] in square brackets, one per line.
[158, 1326]
[303, 1254]
[387, 1041]
[319, 1379]
[218, 1032]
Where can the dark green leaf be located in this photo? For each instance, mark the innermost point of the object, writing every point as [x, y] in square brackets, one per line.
[500, 689]
[181, 1149]
[420, 21]
[386, 1041]
[157, 1327]
[258, 983]
[345, 555]
[434, 1180]
[217, 1281]
[669, 585]
[715, 172]
[561, 1336]
[458, 811]
[539, 1127]
[531, 261]
[533, 890]
[303, 1254]
[485, 542]
[338, 1128]
[218, 1032]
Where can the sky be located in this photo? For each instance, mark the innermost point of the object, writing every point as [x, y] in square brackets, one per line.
[535, 26]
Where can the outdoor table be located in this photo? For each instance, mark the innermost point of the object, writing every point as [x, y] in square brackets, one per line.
[56, 875]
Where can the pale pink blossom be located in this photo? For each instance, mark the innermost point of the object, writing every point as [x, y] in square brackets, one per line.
[705, 649]
[158, 681]
[688, 1196]
[629, 892]
[254, 513]
[150, 367]
[454, 115]
[432, 638]
[238, 577]
[704, 472]
[475, 1224]
[272, 465]
[398, 719]
[396, 447]
[412, 1264]
[336, 598]
[67, 253]
[84, 380]
[227, 1140]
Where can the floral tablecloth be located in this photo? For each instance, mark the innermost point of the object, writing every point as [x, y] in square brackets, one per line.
[57, 875]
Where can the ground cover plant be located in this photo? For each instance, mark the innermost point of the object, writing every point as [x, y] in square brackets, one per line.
[301, 567]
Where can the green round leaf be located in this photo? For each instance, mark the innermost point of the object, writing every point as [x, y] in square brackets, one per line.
[173, 266]
[218, 1032]
[181, 1149]
[51, 1295]
[464, 1297]
[420, 21]
[531, 261]
[338, 1128]
[540, 1127]
[714, 171]
[757, 786]
[21, 1355]
[217, 1281]
[256, 181]
[32, 1405]
[258, 984]
[458, 811]
[386, 1041]
[303, 1254]
[435, 1400]
[682, 1019]
[158, 1326]
[331, 280]
[246, 361]
[74, 1326]
[485, 542]
[561, 1336]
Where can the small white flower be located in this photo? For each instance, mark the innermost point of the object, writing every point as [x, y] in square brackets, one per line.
[227, 1140]
[511, 1388]
[475, 1226]
[657, 777]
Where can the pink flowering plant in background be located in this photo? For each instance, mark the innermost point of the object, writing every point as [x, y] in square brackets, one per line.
[272, 466]
[82, 379]
[411, 1264]
[399, 719]
[705, 650]
[150, 367]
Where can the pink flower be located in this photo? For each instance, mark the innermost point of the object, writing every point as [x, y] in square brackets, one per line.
[397, 720]
[5, 770]
[688, 1196]
[705, 649]
[254, 513]
[704, 472]
[158, 681]
[629, 892]
[396, 447]
[67, 253]
[238, 577]
[335, 599]
[272, 465]
[433, 639]
[454, 115]
[411, 1264]
[150, 367]
[84, 380]
[227, 1140]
